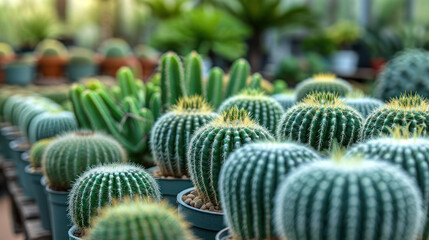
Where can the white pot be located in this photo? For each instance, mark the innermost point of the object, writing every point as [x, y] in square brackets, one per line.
[345, 62]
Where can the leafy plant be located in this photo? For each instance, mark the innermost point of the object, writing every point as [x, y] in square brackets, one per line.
[295, 69]
[165, 9]
[343, 33]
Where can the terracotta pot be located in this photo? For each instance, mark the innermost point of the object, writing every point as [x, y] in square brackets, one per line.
[3, 61]
[378, 64]
[148, 66]
[109, 66]
[52, 66]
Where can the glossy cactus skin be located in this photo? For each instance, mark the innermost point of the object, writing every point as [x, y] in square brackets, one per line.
[100, 186]
[261, 108]
[286, 100]
[155, 221]
[172, 80]
[37, 151]
[71, 154]
[319, 121]
[364, 105]
[172, 133]
[50, 124]
[408, 111]
[240, 71]
[214, 87]
[249, 180]
[322, 83]
[194, 74]
[211, 145]
[378, 200]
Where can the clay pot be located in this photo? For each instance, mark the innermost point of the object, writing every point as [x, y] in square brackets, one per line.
[148, 66]
[109, 66]
[52, 66]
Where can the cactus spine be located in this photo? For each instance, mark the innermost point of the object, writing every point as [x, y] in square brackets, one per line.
[322, 83]
[172, 82]
[214, 91]
[248, 182]
[50, 124]
[238, 77]
[194, 74]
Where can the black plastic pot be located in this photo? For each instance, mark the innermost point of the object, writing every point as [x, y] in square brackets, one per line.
[204, 224]
[39, 195]
[60, 222]
[71, 234]
[223, 234]
[9, 134]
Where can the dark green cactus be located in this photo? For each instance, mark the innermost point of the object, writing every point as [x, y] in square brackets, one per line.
[172, 80]
[71, 154]
[156, 221]
[214, 87]
[364, 105]
[194, 74]
[280, 86]
[348, 199]
[255, 81]
[320, 120]
[286, 100]
[410, 111]
[240, 71]
[100, 186]
[115, 48]
[322, 83]
[50, 124]
[155, 105]
[37, 151]
[263, 109]
[211, 145]
[248, 182]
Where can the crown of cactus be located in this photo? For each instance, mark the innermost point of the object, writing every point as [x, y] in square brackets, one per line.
[50, 124]
[348, 199]
[37, 151]
[408, 111]
[211, 145]
[263, 109]
[364, 105]
[71, 154]
[320, 120]
[248, 181]
[6, 50]
[155, 221]
[115, 48]
[172, 133]
[51, 47]
[285, 100]
[406, 72]
[322, 83]
[100, 186]
[81, 56]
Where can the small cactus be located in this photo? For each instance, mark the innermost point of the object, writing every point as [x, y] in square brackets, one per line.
[261, 108]
[71, 154]
[211, 145]
[115, 48]
[172, 80]
[172, 133]
[320, 120]
[81, 56]
[51, 47]
[322, 83]
[50, 124]
[348, 199]
[214, 87]
[248, 181]
[37, 151]
[286, 100]
[101, 185]
[194, 74]
[139, 220]
[240, 71]
[364, 105]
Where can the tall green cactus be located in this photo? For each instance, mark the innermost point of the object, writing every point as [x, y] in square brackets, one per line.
[240, 71]
[172, 80]
[155, 105]
[214, 87]
[249, 180]
[255, 81]
[211, 145]
[50, 124]
[348, 199]
[100, 186]
[194, 74]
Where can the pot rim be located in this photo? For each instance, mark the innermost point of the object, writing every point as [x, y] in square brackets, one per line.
[179, 200]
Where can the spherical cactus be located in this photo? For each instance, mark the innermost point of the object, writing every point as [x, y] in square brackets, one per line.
[248, 182]
[102, 185]
[33, 108]
[71, 154]
[172, 133]
[50, 124]
[211, 145]
[348, 199]
[406, 72]
[364, 105]
[139, 220]
[37, 151]
[408, 111]
[319, 121]
[322, 83]
[286, 100]
[262, 109]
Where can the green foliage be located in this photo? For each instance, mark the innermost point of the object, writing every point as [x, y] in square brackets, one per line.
[115, 48]
[166, 9]
[211, 145]
[81, 56]
[100, 186]
[71, 154]
[37, 151]
[249, 180]
[296, 69]
[285, 100]
[364, 105]
[51, 47]
[6, 50]
[320, 120]
[319, 43]
[322, 83]
[343, 32]
[240, 71]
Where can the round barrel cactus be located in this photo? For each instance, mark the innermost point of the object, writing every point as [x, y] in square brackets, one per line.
[248, 181]
[348, 199]
[148, 221]
[364, 105]
[172, 133]
[50, 124]
[100, 186]
[37, 151]
[71, 154]
[211, 145]
[285, 100]
[322, 83]
[320, 120]
[263, 109]
[407, 111]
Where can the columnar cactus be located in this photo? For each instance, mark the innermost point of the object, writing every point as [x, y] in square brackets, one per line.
[172, 133]
[172, 80]
[407, 111]
[319, 121]
[194, 74]
[211, 145]
[263, 109]
[71, 154]
[286, 100]
[348, 199]
[255, 81]
[248, 181]
[50, 124]
[240, 71]
[148, 221]
[214, 87]
[364, 105]
[322, 83]
[37, 151]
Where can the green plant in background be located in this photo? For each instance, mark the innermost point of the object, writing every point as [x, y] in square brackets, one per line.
[6, 50]
[100, 186]
[146, 52]
[343, 33]
[211, 145]
[319, 43]
[115, 48]
[162, 221]
[321, 120]
[407, 111]
[322, 83]
[37, 151]
[261, 108]
[363, 104]
[312, 202]
[50, 124]
[172, 133]
[81, 56]
[279, 86]
[249, 180]
[51, 47]
[166, 9]
[285, 100]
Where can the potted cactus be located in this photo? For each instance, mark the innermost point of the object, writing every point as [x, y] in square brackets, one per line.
[6, 56]
[52, 58]
[148, 59]
[20, 71]
[82, 63]
[322, 83]
[117, 53]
